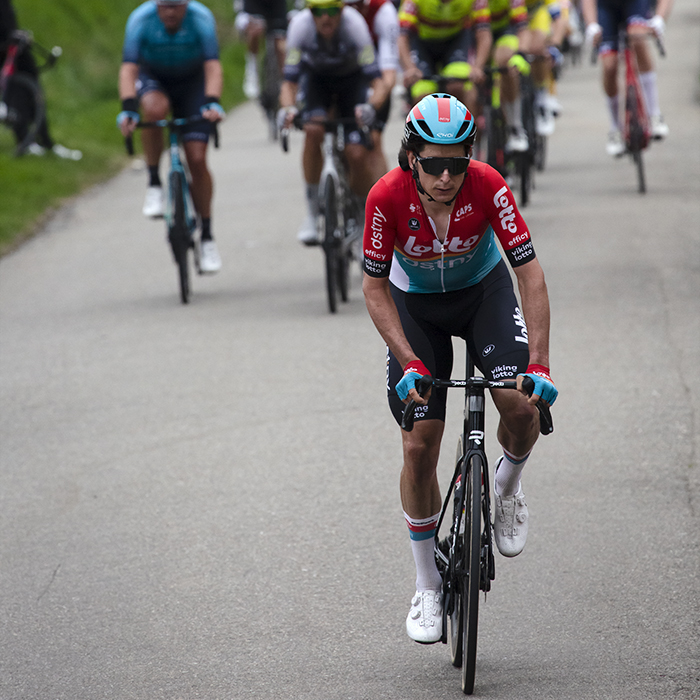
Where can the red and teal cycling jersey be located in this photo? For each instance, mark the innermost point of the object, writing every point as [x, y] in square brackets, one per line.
[400, 240]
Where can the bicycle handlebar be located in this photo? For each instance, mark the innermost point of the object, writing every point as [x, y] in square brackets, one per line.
[659, 45]
[170, 124]
[427, 382]
[329, 125]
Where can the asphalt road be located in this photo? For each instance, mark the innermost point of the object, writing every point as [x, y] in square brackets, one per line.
[202, 502]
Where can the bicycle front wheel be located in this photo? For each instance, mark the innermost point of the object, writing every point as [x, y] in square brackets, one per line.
[453, 587]
[639, 165]
[331, 248]
[179, 233]
[26, 109]
[471, 564]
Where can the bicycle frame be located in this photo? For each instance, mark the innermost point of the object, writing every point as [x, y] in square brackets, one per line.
[636, 125]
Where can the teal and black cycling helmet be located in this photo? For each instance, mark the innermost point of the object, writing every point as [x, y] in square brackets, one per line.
[442, 119]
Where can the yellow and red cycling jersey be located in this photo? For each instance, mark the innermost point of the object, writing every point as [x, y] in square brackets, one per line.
[435, 20]
[507, 13]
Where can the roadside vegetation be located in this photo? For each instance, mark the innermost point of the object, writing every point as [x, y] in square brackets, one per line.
[82, 99]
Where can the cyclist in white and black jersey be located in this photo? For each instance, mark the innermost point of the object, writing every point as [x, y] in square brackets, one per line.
[383, 23]
[330, 69]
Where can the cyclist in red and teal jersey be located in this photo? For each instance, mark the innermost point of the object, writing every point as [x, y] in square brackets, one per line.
[171, 64]
[433, 270]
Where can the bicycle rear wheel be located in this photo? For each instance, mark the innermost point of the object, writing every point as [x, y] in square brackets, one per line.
[179, 234]
[331, 248]
[269, 95]
[26, 109]
[471, 564]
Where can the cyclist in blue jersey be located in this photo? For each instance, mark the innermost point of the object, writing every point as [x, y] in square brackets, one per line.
[171, 64]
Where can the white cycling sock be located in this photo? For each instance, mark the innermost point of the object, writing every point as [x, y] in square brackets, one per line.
[422, 533]
[651, 92]
[513, 113]
[312, 199]
[507, 481]
[614, 112]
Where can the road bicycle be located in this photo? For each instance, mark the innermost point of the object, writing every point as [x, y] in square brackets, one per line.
[491, 145]
[465, 557]
[341, 215]
[636, 125]
[180, 215]
[22, 102]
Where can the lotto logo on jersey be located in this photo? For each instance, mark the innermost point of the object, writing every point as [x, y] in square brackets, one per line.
[507, 215]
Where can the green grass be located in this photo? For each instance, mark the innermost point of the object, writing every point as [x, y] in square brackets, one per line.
[82, 99]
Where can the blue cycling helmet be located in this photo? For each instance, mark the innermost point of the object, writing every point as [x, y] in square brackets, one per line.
[440, 118]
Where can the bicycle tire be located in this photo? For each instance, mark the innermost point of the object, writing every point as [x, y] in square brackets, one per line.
[635, 142]
[269, 94]
[472, 570]
[19, 86]
[455, 618]
[639, 164]
[179, 234]
[540, 152]
[330, 243]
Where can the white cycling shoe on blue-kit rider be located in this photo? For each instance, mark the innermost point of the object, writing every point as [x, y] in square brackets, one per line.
[417, 306]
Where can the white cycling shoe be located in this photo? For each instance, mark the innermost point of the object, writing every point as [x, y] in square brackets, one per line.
[153, 205]
[615, 147]
[517, 141]
[659, 128]
[510, 523]
[424, 621]
[308, 231]
[208, 258]
[251, 82]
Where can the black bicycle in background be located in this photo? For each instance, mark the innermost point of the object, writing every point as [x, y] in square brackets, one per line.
[464, 555]
[341, 214]
[22, 102]
[180, 215]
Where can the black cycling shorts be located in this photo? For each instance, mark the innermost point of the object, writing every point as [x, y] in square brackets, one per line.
[485, 315]
[274, 13]
[431, 57]
[186, 96]
[318, 94]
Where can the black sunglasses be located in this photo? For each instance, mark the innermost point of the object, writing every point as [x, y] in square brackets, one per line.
[320, 11]
[436, 166]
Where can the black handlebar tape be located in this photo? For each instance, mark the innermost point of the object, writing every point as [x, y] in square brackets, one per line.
[422, 385]
[129, 143]
[546, 424]
[216, 135]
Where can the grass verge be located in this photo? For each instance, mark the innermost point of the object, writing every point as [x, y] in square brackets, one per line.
[82, 99]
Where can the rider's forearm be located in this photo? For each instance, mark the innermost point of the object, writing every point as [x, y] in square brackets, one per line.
[128, 74]
[535, 301]
[382, 311]
[663, 8]
[288, 94]
[213, 78]
[404, 47]
[380, 92]
[589, 10]
[484, 41]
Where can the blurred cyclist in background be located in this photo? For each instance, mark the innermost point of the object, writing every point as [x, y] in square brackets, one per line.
[171, 64]
[383, 23]
[603, 20]
[253, 19]
[330, 70]
[26, 64]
